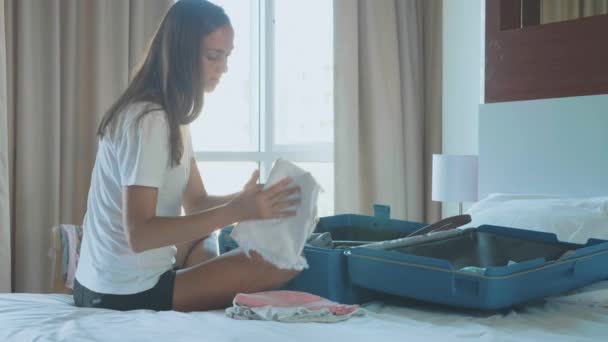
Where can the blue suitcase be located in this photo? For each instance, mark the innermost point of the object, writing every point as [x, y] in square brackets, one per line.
[486, 268]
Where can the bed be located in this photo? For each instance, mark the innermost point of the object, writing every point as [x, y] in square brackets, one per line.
[578, 316]
[37, 317]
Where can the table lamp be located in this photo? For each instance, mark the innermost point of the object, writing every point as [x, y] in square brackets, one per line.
[454, 179]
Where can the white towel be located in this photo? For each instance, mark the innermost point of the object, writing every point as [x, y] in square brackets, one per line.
[281, 241]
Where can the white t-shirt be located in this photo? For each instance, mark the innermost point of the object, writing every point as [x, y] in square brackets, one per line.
[138, 153]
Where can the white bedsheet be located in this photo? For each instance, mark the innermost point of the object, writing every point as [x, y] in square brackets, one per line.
[579, 317]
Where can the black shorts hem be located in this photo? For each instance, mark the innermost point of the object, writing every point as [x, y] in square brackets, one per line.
[158, 298]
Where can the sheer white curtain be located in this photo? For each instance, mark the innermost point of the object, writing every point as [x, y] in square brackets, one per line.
[67, 60]
[387, 105]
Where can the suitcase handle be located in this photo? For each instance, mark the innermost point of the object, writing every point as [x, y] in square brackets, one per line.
[445, 224]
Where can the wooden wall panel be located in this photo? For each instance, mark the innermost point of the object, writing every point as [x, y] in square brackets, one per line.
[560, 59]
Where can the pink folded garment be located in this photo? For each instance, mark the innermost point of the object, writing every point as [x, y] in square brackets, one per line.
[285, 299]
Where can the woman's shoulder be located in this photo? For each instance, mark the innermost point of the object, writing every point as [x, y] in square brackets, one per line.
[143, 110]
[141, 115]
[137, 114]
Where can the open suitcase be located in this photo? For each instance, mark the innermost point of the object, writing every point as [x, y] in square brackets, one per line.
[486, 268]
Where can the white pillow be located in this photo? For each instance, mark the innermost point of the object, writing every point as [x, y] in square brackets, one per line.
[571, 219]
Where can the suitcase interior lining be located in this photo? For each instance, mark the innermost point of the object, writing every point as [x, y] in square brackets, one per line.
[484, 249]
[354, 233]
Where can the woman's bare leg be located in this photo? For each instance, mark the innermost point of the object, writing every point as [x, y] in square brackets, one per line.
[213, 284]
[183, 250]
[202, 251]
[197, 251]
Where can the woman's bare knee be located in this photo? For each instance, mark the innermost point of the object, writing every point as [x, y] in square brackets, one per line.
[201, 252]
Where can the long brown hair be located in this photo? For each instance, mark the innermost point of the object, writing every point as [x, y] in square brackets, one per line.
[171, 74]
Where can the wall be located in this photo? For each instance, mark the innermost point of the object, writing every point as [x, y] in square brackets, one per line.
[463, 63]
[463, 48]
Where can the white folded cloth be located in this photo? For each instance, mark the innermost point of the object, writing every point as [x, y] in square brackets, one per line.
[281, 241]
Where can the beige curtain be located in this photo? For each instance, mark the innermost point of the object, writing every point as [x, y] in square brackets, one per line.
[387, 105]
[5, 233]
[594, 7]
[67, 61]
[561, 10]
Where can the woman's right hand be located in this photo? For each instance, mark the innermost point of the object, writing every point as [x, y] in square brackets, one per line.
[255, 203]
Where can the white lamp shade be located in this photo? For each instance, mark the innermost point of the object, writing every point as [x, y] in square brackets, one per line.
[454, 178]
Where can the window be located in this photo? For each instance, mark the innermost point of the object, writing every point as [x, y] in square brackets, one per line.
[276, 101]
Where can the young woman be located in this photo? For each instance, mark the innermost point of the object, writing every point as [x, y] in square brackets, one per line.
[145, 172]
